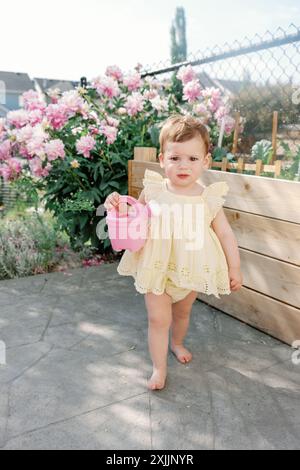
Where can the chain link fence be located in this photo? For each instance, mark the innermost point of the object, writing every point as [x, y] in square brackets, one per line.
[259, 76]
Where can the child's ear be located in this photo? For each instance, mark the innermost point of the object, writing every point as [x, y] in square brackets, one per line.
[206, 160]
[161, 160]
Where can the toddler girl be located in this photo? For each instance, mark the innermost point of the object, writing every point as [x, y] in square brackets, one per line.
[170, 269]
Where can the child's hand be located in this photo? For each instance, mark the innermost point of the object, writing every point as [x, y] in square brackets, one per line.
[113, 200]
[236, 278]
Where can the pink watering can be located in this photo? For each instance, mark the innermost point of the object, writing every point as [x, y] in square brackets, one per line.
[128, 231]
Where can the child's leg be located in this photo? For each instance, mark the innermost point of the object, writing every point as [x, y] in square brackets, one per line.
[181, 312]
[159, 309]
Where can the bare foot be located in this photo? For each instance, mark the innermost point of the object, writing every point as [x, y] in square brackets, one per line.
[182, 354]
[157, 380]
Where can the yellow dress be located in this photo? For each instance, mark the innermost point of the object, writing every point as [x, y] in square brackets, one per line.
[164, 264]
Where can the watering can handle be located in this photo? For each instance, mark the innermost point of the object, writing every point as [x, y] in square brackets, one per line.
[131, 200]
[134, 202]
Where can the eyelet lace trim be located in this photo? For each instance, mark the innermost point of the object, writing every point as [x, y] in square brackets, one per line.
[202, 284]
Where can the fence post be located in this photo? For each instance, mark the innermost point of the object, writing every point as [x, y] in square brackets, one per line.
[258, 167]
[240, 165]
[277, 169]
[224, 164]
[274, 135]
[236, 133]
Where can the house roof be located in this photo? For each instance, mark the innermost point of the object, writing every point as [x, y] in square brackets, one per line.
[63, 85]
[3, 110]
[232, 86]
[16, 81]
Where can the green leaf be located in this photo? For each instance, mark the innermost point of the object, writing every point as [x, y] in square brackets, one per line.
[83, 220]
[114, 184]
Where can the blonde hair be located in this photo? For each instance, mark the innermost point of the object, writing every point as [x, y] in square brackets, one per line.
[180, 128]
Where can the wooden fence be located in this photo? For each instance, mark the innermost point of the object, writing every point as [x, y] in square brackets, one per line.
[8, 196]
[264, 214]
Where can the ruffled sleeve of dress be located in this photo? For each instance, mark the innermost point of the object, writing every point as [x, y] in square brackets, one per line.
[153, 184]
[215, 194]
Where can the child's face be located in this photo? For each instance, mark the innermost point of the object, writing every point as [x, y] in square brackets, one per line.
[184, 158]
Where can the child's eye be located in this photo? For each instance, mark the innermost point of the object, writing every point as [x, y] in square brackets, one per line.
[173, 158]
[194, 159]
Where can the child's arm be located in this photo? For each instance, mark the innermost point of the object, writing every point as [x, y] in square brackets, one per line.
[224, 232]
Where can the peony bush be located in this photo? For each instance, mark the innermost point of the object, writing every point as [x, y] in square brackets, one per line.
[73, 150]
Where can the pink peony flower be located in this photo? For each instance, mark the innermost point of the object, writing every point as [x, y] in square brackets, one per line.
[18, 118]
[115, 72]
[160, 104]
[36, 145]
[229, 124]
[5, 150]
[35, 117]
[150, 94]
[213, 98]
[192, 91]
[32, 101]
[200, 109]
[55, 149]
[37, 168]
[106, 86]
[54, 94]
[73, 102]
[154, 83]
[133, 82]
[112, 121]
[57, 115]
[186, 74]
[134, 103]
[2, 127]
[110, 133]
[11, 170]
[24, 134]
[84, 145]
[221, 112]
[23, 151]
[94, 130]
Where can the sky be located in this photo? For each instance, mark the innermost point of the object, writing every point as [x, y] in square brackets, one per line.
[68, 39]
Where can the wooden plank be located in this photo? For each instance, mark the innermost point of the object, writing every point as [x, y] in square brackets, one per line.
[135, 192]
[268, 315]
[260, 195]
[271, 237]
[129, 177]
[145, 154]
[271, 277]
[276, 168]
